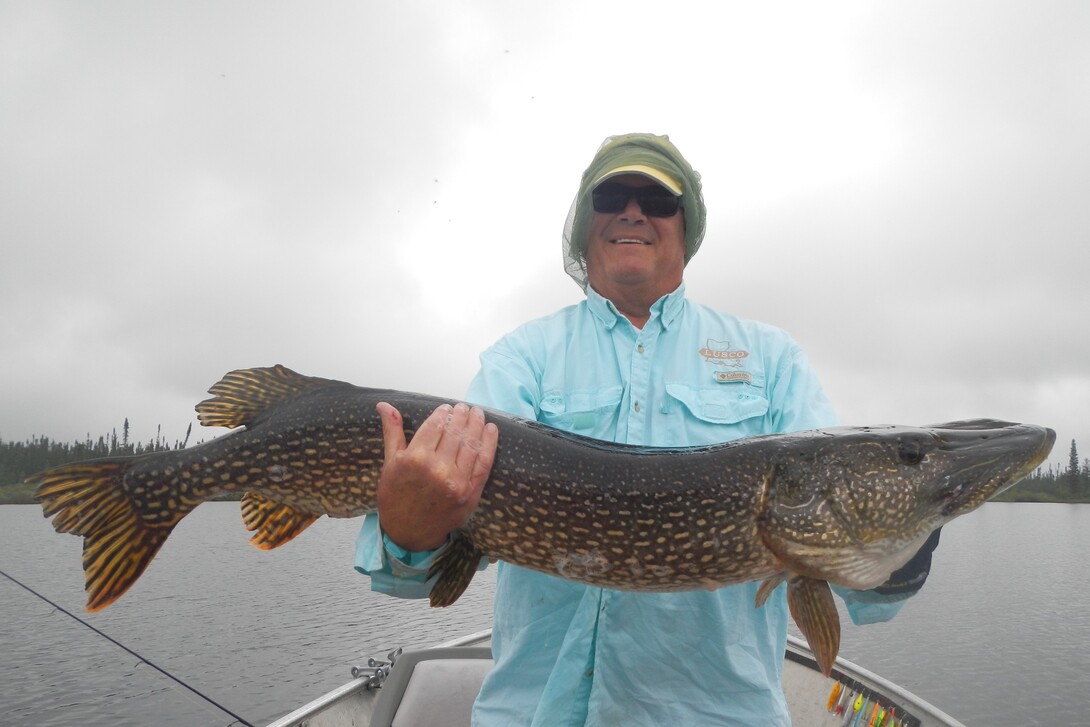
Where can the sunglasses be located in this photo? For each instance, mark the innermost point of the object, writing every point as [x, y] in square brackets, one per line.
[655, 201]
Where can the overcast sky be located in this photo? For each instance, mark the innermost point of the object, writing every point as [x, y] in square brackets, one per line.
[375, 192]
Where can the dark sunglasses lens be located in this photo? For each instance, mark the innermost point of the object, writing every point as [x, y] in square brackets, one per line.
[659, 206]
[654, 201]
[609, 202]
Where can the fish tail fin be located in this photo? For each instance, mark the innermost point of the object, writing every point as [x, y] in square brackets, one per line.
[814, 611]
[89, 499]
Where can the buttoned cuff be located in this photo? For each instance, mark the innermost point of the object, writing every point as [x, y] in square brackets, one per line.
[868, 607]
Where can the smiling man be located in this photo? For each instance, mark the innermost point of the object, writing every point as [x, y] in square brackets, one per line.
[636, 247]
[635, 362]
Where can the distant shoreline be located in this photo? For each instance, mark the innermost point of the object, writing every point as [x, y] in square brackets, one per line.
[23, 494]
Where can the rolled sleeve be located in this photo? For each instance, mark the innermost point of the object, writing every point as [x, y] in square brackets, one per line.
[393, 570]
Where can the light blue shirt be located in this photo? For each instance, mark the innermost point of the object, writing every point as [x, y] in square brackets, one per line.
[568, 654]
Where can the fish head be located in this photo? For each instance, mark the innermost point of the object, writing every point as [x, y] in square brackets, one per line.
[852, 504]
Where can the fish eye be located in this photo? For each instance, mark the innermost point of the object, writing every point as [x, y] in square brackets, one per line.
[910, 452]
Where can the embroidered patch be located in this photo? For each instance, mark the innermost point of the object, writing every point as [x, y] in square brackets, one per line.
[729, 362]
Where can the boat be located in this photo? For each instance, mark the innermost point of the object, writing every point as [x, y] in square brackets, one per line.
[436, 686]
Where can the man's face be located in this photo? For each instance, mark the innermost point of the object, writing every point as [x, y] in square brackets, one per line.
[630, 250]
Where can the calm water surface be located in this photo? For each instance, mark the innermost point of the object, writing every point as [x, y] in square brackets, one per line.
[998, 637]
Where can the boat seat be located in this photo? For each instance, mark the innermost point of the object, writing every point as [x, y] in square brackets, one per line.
[432, 687]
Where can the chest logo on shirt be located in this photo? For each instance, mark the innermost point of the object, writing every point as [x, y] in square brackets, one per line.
[729, 362]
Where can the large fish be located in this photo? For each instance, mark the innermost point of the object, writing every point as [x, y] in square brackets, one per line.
[845, 505]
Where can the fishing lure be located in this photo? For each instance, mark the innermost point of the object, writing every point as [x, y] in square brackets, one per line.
[847, 710]
[846, 696]
[831, 703]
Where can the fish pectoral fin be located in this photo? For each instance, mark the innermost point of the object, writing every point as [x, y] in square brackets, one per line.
[814, 612]
[89, 499]
[273, 523]
[767, 586]
[455, 568]
[241, 396]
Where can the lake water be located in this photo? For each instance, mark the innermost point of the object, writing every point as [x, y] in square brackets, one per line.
[1000, 635]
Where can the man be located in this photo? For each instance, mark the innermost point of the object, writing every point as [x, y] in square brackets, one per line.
[635, 362]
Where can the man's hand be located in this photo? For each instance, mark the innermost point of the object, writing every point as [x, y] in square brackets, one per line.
[431, 485]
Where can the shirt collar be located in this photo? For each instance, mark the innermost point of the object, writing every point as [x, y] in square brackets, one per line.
[666, 309]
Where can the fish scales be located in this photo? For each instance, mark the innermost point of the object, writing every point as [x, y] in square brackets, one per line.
[847, 505]
[625, 522]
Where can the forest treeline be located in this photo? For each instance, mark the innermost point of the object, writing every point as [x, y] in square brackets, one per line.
[18, 460]
[1054, 484]
[21, 459]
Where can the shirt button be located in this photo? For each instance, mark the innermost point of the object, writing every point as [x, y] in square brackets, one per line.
[636, 406]
[639, 348]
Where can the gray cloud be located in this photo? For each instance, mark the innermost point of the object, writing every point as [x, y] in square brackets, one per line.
[375, 193]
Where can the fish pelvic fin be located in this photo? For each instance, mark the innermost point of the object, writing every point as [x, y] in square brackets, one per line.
[241, 396]
[273, 523]
[89, 499]
[455, 568]
[814, 612]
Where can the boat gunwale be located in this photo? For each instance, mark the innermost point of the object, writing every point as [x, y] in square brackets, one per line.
[845, 670]
[797, 650]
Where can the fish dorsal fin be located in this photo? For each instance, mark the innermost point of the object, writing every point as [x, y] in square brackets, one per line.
[274, 522]
[240, 396]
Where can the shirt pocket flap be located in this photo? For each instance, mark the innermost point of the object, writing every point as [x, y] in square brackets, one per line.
[579, 409]
[720, 405]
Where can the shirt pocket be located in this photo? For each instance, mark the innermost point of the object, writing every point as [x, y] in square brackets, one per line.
[586, 412]
[732, 404]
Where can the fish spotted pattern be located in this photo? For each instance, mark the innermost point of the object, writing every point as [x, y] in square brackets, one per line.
[847, 505]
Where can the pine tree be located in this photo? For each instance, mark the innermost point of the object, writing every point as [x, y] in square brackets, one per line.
[1072, 476]
[1084, 480]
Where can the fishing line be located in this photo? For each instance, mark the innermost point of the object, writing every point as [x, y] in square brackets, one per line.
[162, 671]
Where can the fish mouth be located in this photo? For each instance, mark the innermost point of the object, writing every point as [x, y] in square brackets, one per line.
[959, 494]
[996, 454]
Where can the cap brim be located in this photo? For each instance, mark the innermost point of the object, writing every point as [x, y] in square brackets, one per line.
[642, 169]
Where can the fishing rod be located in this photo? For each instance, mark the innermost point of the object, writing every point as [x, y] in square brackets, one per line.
[114, 641]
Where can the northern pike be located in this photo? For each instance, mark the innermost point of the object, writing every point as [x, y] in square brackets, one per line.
[845, 505]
